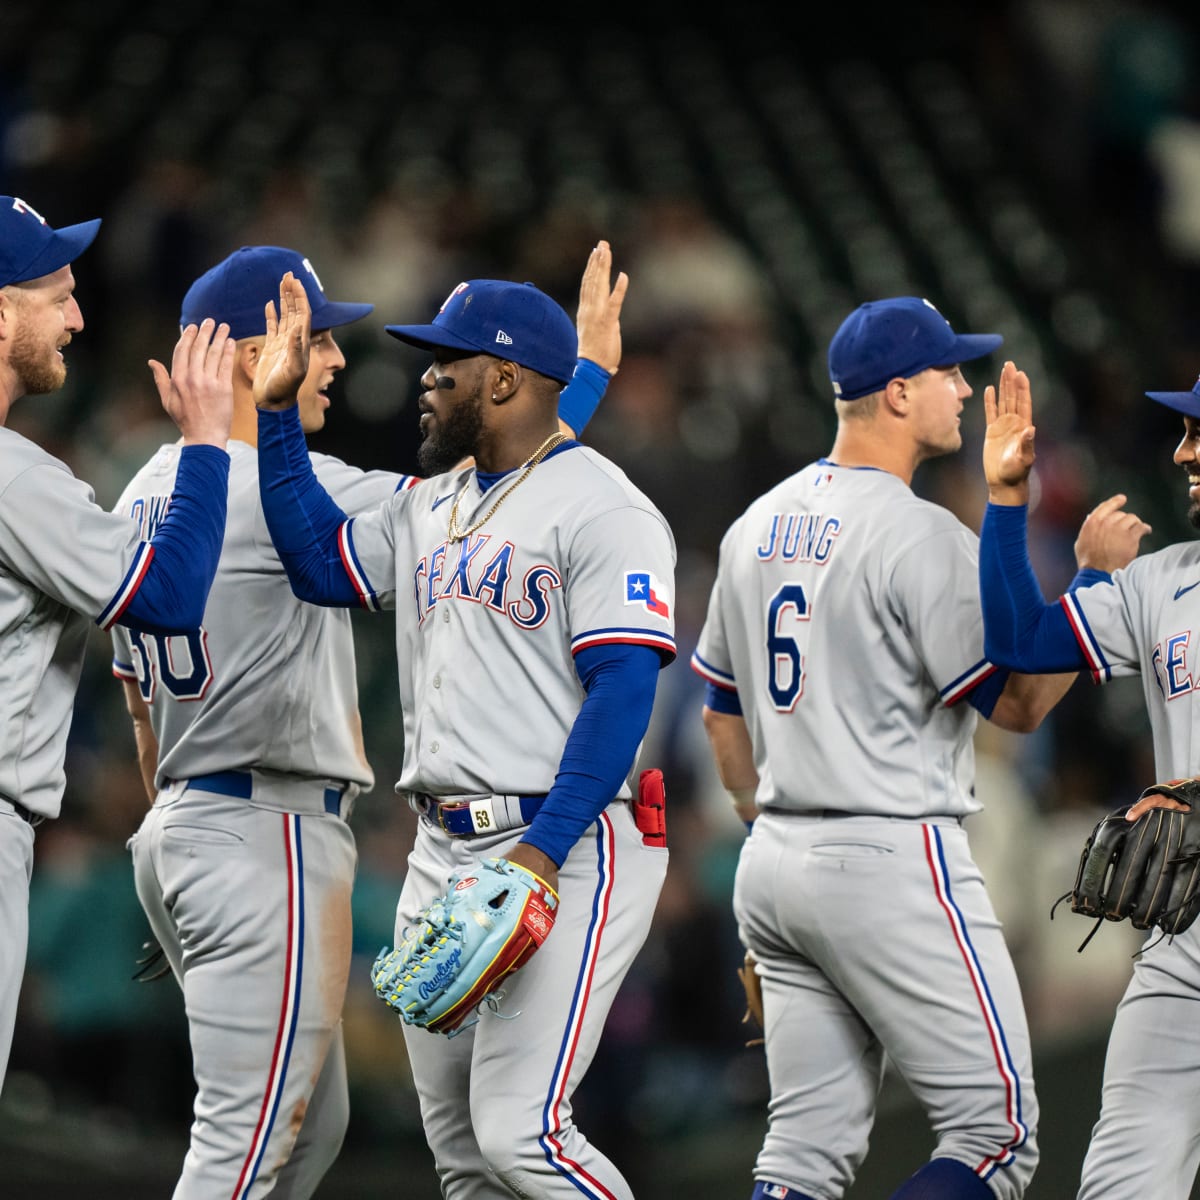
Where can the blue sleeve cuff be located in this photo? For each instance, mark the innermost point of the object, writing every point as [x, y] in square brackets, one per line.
[581, 397]
[1086, 576]
[723, 700]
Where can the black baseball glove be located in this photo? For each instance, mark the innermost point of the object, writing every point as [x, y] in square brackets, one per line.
[1147, 870]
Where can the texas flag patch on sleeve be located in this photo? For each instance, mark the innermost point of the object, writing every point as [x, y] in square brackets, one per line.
[642, 588]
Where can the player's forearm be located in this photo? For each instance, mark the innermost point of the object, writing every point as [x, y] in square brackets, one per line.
[1027, 699]
[303, 521]
[1021, 631]
[147, 754]
[733, 755]
[143, 736]
[173, 591]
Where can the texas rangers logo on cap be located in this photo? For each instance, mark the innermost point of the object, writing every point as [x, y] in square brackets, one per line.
[642, 588]
[458, 291]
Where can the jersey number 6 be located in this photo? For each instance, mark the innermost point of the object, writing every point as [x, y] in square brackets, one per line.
[785, 663]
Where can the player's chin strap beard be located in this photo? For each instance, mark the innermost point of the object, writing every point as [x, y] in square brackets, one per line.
[454, 534]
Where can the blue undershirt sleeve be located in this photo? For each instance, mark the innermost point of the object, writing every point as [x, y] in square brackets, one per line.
[578, 401]
[983, 698]
[620, 682]
[303, 521]
[187, 546]
[1021, 631]
[722, 700]
[1086, 576]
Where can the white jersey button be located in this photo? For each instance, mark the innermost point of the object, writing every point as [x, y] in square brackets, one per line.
[437, 681]
[433, 747]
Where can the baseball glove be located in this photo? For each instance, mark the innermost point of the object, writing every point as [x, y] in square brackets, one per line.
[752, 986]
[1146, 871]
[153, 963]
[490, 921]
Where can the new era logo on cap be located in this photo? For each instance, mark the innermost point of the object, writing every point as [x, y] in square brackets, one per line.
[514, 321]
[31, 248]
[884, 340]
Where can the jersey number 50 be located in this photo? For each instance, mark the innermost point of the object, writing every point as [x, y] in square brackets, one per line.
[181, 662]
[785, 663]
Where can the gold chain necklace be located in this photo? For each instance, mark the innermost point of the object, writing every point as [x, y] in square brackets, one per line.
[456, 535]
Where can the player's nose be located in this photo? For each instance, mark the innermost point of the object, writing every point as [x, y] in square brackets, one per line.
[74, 316]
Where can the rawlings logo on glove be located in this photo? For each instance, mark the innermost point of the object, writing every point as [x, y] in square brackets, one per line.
[453, 959]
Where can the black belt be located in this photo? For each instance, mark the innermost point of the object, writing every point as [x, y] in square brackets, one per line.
[32, 818]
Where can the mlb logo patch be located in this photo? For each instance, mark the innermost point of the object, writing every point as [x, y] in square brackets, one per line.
[642, 588]
[823, 480]
[777, 1191]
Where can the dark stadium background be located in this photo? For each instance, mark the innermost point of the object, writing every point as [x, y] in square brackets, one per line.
[758, 171]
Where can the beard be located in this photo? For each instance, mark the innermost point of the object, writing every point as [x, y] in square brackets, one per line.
[1194, 515]
[36, 365]
[455, 436]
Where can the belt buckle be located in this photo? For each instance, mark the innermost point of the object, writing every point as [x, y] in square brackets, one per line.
[445, 807]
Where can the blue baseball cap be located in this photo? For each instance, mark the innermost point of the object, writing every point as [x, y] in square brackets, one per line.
[237, 289]
[1187, 403]
[898, 338]
[30, 248]
[514, 321]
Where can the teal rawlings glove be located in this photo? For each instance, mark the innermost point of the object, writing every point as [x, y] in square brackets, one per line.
[487, 925]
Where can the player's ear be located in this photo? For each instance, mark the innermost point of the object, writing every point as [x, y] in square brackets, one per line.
[246, 358]
[506, 381]
[8, 308]
[896, 396]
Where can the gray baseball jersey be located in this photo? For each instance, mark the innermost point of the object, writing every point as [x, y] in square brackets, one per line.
[245, 864]
[571, 558]
[267, 682]
[845, 615]
[64, 562]
[511, 604]
[1144, 1143]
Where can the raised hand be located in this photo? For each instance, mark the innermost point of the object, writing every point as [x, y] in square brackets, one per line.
[283, 362]
[598, 320]
[1008, 451]
[1109, 536]
[197, 393]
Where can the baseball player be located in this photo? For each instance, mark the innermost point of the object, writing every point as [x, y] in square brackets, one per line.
[533, 599]
[249, 739]
[64, 561]
[843, 654]
[1146, 1142]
